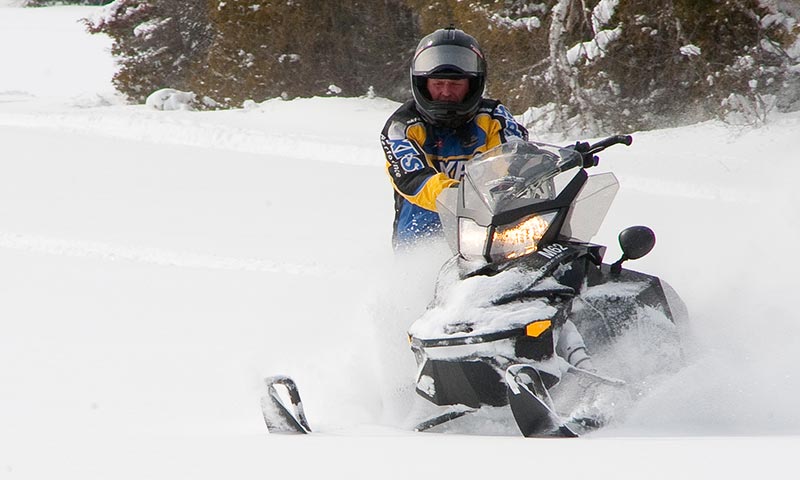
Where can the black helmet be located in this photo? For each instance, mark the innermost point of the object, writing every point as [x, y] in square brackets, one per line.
[448, 53]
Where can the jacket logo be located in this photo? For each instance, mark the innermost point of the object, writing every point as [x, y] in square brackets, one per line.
[511, 127]
[453, 169]
[407, 155]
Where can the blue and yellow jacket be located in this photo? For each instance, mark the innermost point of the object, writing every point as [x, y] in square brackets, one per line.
[422, 160]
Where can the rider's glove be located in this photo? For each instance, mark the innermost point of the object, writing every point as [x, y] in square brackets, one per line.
[589, 160]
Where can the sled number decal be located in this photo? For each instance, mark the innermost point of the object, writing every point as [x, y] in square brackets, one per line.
[552, 250]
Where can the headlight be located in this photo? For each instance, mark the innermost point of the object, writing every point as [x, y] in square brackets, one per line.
[471, 238]
[520, 238]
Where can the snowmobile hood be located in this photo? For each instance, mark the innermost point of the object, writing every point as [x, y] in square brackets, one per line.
[476, 304]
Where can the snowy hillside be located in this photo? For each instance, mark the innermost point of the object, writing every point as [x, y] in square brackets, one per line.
[156, 265]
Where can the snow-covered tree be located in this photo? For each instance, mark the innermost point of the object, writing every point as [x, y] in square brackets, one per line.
[156, 42]
[622, 65]
[576, 66]
[43, 3]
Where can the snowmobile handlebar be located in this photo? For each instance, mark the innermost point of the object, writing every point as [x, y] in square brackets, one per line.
[588, 153]
[607, 142]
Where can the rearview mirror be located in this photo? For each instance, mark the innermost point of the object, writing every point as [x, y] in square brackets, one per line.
[636, 242]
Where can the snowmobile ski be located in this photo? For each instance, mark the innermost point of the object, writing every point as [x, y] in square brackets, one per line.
[531, 404]
[452, 414]
[615, 382]
[280, 417]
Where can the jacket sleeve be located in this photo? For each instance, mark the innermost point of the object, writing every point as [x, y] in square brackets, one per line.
[507, 126]
[410, 172]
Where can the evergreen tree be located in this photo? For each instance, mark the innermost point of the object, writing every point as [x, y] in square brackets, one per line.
[265, 49]
[577, 66]
[156, 42]
[45, 3]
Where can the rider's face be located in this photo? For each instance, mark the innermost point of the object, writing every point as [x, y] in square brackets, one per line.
[448, 89]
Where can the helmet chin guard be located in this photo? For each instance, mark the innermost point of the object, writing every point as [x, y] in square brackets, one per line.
[448, 53]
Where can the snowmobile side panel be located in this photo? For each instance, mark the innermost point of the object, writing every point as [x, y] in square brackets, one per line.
[619, 309]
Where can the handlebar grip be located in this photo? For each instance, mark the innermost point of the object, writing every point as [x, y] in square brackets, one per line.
[607, 142]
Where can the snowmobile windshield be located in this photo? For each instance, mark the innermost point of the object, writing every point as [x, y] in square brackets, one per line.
[513, 173]
[590, 207]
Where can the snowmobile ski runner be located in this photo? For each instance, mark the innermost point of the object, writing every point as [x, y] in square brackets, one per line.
[279, 416]
[531, 404]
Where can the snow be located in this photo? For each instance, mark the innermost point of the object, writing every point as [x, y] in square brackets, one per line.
[528, 23]
[594, 48]
[171, 99]
[146, 29]
[156, 265]
[602, 13]
[690, 50]
[466, 307]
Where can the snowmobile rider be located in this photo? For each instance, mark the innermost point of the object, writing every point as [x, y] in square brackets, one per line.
[428, 139]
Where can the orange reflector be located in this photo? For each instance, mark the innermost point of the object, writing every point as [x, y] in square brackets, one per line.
[537, 328]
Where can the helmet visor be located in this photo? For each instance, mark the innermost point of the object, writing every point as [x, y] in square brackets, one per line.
[447, 58]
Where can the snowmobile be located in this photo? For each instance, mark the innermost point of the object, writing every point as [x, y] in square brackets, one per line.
[525, 295]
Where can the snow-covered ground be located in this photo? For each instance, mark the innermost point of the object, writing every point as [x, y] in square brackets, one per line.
[156, 265]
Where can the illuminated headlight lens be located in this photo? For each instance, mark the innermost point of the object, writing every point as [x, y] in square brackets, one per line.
[520, 238]
[471, 238]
